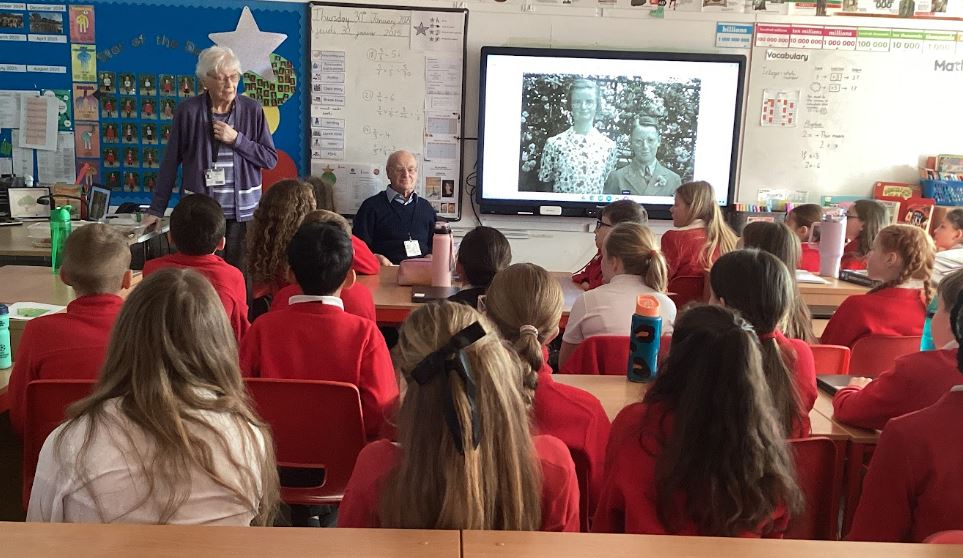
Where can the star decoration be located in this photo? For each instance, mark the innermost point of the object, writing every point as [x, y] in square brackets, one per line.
[421, 29]
[252, 46]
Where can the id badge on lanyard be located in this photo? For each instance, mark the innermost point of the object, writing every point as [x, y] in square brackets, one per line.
[412, 248]
[215, 176]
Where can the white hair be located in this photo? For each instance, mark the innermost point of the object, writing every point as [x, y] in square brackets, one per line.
[216, 59]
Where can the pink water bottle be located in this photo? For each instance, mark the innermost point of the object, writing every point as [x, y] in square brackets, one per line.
[441, 255]
[832, 241]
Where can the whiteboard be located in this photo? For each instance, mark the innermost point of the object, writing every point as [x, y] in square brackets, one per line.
[387, 78]
[870, 103]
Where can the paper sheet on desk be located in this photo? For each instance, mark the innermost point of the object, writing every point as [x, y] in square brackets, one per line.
[30, 310]
[803, 276]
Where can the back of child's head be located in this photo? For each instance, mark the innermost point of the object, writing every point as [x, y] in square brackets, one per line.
[96, 258]
[625, 211]
[276, 219]
[726, 451]
[873, 216]
[525, 303]
[323, 192]
[779, 240]
[805, 215]
[320, 255]
[916, 251]
[638, 249]
[197, 225]
[326, 216]
[760, 287]
[449, 478]
[950, 289]
[171, 355]
[700, 198]
[482, 253]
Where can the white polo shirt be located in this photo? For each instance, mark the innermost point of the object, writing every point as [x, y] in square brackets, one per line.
[608, 309]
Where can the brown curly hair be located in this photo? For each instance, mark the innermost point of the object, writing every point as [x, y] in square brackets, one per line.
[276, 219]
[915, 247]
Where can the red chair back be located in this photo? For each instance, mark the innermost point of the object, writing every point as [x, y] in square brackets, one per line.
[876, 353]
[820, 480]
[831, 359]
[47, 402]
[688, 288]
[316, 425]
[945, 537]
[606, 355]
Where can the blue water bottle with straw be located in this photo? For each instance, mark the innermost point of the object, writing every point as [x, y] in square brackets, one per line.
[644, 339]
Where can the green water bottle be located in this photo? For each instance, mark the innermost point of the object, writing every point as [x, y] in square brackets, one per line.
[6, 356]
[59, 230]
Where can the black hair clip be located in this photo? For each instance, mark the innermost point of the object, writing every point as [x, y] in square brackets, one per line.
[452, 358]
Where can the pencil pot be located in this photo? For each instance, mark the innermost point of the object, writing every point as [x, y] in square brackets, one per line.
[644, 339]
[59, 230]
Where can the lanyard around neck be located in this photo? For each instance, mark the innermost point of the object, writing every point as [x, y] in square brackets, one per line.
[215, 144]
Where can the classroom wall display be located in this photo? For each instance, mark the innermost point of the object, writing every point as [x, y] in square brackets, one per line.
[118, 71]
[833, 109]
[382, 79]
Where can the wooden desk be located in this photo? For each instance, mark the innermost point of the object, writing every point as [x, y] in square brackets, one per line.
[17, 248]
[616, 392]
[505, 544]
[393, 302]
[149, 541]
[832, 294]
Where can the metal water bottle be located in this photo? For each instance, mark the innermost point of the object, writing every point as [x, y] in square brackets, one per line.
[644, 339]
[832, 241]
[441, 255]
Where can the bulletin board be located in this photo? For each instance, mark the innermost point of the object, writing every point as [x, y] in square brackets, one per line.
[386, 78]
[832, 109]
[120, 68]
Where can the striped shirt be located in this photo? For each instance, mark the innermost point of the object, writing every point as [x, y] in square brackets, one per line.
[237, 203]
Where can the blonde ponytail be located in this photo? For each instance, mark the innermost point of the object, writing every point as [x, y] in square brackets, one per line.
[917, 251]
[636, 247]
[720, 239]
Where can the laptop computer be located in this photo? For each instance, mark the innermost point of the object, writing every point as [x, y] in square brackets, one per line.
[831, 383]
[24, 205]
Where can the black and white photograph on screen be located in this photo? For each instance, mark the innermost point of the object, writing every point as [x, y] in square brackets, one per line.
[589, 134]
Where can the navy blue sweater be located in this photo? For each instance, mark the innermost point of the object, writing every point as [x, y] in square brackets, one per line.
[385, 228]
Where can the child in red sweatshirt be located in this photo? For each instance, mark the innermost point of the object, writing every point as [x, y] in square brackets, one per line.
[197, 230]
[72, 345]
[621, 211]
[314, 338]
[916, 381]
[800, 221]
[902, 258]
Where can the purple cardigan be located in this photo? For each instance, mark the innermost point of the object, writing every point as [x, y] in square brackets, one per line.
[190, 146]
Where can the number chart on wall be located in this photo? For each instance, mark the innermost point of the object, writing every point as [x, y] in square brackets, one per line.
[833, 109]
[385, 79]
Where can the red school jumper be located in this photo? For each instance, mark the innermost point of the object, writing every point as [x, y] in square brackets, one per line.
[851, 259]
[365, 262]
[628, 503]
[804, 380]
[683, 252]
[357, 300]
[915, 479]
[67, 346]
[915, 382]
[360, 505]
[320, 341]
[809, 258]
[591, 273]
[890, 311]
[228, 282]
[577, 418]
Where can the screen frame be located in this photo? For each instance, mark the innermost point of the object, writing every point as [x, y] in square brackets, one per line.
[504, 206]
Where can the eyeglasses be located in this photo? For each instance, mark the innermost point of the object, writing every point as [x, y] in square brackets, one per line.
[411, 170]
[233, 78]
[852, 215]
[600, 224]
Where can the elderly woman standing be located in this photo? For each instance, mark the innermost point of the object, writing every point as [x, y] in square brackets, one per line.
[222, 142]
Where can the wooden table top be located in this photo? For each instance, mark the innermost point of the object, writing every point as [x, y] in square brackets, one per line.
[831, 294]
[505, 544]
[14, 240]
[616, 392]
[34, 283]
[824, 406]
[393, 302]
[149, 541]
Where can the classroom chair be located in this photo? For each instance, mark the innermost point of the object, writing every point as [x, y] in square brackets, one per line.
[820, 480]
[606, 355]
[831, 359]
[686, 289]
[876, 353]
[945, 537]
[47, 402]
[317, 427]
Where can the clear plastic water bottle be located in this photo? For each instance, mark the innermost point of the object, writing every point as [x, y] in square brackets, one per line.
[644, 339]
[6, 351]
[59, 230]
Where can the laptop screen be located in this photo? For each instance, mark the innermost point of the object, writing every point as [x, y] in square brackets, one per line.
[23, 203]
